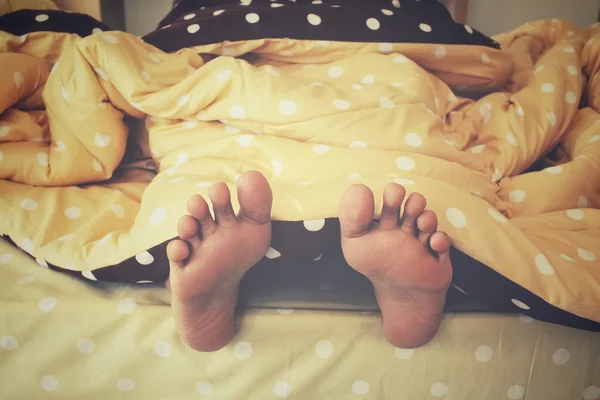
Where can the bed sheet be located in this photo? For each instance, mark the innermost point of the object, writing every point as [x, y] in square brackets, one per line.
[61, 338]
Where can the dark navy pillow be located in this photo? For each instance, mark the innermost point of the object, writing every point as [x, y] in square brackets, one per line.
[198, 22]
[27, 21]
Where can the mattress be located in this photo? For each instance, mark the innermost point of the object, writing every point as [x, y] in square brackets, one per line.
[62, 338]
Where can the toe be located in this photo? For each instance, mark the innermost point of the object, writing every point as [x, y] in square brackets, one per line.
[187, 229]
[393, 196]
[440, 243]
[427, 223]
[356, 211]
[221, 202]
[177, 252]
[198, 209]
[255, 197]
[415, 205]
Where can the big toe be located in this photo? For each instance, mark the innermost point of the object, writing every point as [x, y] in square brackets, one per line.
[356, 211]
[255, 197]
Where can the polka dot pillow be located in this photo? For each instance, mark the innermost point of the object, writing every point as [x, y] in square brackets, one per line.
[199, 22]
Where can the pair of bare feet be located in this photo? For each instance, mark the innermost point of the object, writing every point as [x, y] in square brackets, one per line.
[406, 259]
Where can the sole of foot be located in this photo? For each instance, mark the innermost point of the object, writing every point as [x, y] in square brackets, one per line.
[404, 256]
[212, 255]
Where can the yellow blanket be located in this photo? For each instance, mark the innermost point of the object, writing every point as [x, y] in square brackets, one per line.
[314, 118]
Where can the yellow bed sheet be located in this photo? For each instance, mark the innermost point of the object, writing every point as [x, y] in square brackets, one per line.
[62, 339]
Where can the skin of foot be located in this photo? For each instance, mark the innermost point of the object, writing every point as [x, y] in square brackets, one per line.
[406, 259]
[212, 255]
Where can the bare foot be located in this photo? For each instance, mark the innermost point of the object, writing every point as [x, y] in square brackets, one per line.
[212, 256]
[406, 259]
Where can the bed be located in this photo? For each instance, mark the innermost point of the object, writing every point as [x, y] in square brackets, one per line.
[309, 329]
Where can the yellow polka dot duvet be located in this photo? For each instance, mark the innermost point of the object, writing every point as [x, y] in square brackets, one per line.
[513, 175]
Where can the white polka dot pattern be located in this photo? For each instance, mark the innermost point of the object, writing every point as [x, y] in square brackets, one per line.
[438, 389]
[405, 163]
[324, 349]
[8, 343]
[144, 258]
[252, 18]
[456, 217]
[517, 196]
[26, 280]
[591, 393]
[335, 72]
[586, 255]
[321, 149]
[238, 112]
[243, 350]
[520, 304]
[543, 265]
[288, 107]
[576, 215]
[561, 356]
[404, 354]
[204, 388]
[86, 346]
[484, 353]
[425, 27]
[516, 392]
[373, 24]
[282, 389]
[163, 349]
[313, 19]
[126, 305]
[110, 38]
[126, 385]
[158, 216]
[341, 105]
[314, 225]
[18, 79]
[212, 120]
[49, 383]
[361, 387]
[29, 204]
[47, 304]
[272, 254]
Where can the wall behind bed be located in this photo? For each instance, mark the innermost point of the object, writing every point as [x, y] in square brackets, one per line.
[142, 16]
[497, 16]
